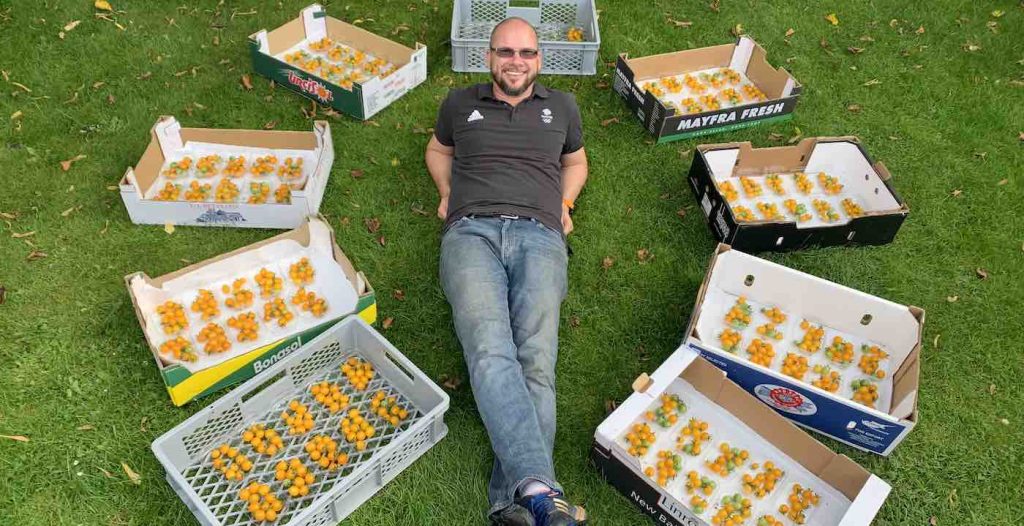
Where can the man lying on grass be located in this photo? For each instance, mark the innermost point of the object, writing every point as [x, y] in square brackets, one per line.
[507, 158]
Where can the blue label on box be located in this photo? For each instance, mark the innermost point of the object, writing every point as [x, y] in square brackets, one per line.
[808, 408]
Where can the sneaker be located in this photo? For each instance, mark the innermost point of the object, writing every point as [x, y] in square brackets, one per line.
[551, 509]
[512, 515]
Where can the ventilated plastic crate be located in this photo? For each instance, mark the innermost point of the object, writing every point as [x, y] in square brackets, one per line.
[184, 451]
[473, 20]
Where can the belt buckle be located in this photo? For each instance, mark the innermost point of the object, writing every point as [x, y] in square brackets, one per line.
[505, 216]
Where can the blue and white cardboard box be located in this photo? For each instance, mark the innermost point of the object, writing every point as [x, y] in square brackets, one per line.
[169, 139]
[840, 310]
[849, 494]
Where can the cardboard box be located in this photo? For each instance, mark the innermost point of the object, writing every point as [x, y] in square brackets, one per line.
[169, 139]
[184, 385]
[866, 182]
[744, 56]
[842, 311]
[850, 495]
[364, 99]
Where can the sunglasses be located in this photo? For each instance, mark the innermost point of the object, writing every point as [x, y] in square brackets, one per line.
[507, 52]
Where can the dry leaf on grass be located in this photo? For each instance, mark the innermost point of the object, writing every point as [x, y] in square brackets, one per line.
[574, 321]
[3, 294]
[832, 19]
[855, 50]
[853, 108]
[372, 224]
[981, 273]
[169, 227]
[387, 323]
[935, 342]
[356, 174]
[952, 299]
[957, 193]
[681, 213]
[66, 165]
[86, 427]
[610, 405]
[18, 438]
[790, 32]
[450, 382]
[607, 263]
[23, 235]
[132, 475]
[103, 5]
[247, 82]
[398, 294]
[36, 255]
[606, 122]
[643, 255]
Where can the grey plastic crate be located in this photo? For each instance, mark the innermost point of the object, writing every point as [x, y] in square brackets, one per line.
[473, 20]
[184, 450]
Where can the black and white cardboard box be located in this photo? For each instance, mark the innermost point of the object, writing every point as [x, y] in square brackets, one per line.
[856, 317]
[744, 56]
[866, 183]
[849, 494]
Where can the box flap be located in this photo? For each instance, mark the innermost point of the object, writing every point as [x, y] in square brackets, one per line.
[167, 132]
[314, 22]
[741, 54]
[867, 503]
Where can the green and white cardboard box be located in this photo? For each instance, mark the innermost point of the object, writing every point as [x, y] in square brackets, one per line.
[850, 495]
[364, 99]
[168, 137]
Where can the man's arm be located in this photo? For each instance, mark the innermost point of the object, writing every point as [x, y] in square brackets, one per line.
[439, 164]
[574, 176]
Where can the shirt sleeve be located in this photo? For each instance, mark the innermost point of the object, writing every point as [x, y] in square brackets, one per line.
[574, 134]
[443, 128]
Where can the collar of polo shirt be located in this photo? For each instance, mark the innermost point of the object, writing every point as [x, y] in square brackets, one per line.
[486, 91]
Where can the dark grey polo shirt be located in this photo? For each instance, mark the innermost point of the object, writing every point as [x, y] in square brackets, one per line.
[508, 158]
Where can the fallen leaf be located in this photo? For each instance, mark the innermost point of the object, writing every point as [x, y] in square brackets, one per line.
[398, 294]
[36, 255]
[105, 472]
[866, 38]
[790, 32]
[714, 5]
[920, 30]
[935, 342]
[1002, 182]
[681, 23]
[872, 82]
[144, 424]
[971, 47]
[957, 193]
[853, 108]
[67, 212]
[775, 136]
[643, 255]
[269, 125]
[19, 438]
[169, 227]
[951, 498]
[606, 122]
[450, 382]
[16, 115]
[372, 224]
[855, 50]
[98, 84]
[103, 5]
[395, 161]
[66, 165]
[356, 174]
[981, 155]
[144, 76]
[111, 99]
[823, 43]
[86, 427]
[991, 389]
[3, 294]
[9, 216]
[372, 123]
[737, 30]
[981, 273]
[381, 241]
[997, 13]
[574, 321]
[71, 25]
[797, 134]
[607, 263]
[387, 323]
[933, 521]
[132, 475]
[832, 19]
[610, 405]
[992, 26]
[952, 299]
[1004, 421]
[106, 225]
[681, 213]
[23, 235]
[1020, 136]
[246, 82]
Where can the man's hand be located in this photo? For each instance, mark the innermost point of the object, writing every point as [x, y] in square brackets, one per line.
[442, 208]
[566, 220]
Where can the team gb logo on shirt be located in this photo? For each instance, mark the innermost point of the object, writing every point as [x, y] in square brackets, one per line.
[546, 116]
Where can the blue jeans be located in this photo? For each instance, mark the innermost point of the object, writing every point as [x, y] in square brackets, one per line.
[505, 280]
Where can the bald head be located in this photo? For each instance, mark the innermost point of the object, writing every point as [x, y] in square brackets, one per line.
[516, 28]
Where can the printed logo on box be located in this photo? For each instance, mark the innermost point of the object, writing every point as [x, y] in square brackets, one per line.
[260, 365]
[729, 116]
[313, 87]
[785, 399]
[220, 216]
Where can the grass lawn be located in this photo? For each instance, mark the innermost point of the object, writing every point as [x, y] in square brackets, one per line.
[77, 379]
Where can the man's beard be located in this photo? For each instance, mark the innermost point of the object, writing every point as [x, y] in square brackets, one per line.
[509, 90]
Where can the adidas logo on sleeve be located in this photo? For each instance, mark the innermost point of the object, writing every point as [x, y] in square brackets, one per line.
[475, 116]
